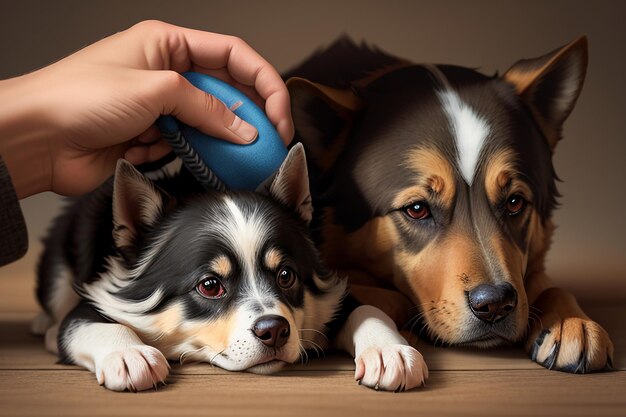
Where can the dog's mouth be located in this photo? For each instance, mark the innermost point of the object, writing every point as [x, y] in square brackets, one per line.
[478, 335]
[487, 340]
[258, 361]
[271, 366]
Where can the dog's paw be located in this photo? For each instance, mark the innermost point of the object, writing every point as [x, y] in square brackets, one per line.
[136, 368]
[573, 345]
[41, 323]
[394, 367]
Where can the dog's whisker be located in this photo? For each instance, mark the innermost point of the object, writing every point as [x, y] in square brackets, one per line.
[414, 321]
[535, 310]
[304, 356]
[317, 348]
[215, 356]
[156, 339]
[316, 331]
[181, 358]
[418, 306]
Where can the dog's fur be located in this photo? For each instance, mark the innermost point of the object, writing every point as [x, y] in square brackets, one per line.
[437, 181]
[142, 271]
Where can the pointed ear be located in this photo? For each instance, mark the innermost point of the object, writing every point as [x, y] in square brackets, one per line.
[137, 204]
[551, 84]
[290, 184]
[321, 115]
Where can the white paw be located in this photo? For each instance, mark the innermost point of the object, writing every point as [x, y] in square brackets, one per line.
[394, 367]
[136, 368]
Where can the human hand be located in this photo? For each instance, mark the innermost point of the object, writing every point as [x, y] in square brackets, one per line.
[79, 115]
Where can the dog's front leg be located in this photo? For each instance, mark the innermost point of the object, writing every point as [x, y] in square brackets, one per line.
[384, 360]
[120, 360]
[563, 337]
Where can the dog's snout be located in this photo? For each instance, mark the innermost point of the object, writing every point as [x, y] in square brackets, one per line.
[491, 303]
[272, 330]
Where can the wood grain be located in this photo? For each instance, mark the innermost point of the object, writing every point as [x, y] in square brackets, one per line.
[463, 382]
[317, 393]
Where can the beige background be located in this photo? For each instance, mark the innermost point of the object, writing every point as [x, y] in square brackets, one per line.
[588, 250]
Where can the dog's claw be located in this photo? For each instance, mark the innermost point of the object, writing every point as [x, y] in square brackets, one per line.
[550, 361]
[537, 344]
[136, 368]
[609, 361]
[395, 367]
[574, 345]
[581, 368]
[541, 337]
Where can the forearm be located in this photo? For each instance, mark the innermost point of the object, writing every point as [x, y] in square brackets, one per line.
[24, 132]
[367, 327]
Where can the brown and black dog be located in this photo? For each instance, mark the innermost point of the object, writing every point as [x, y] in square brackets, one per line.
[438, 181]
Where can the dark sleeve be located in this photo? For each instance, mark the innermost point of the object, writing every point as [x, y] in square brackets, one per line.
[13, 236]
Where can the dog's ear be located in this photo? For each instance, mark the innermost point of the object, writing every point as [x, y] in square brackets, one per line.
[551, 84]
[137, 204]
[290, 184]
[322, 116]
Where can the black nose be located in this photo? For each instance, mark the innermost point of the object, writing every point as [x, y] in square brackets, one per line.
[272, 330]
[491, 303]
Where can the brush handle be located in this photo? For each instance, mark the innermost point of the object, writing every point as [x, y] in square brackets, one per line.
[239, 167]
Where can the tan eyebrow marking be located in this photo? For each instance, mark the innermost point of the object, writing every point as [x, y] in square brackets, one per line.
[436, 175]
[222, 266]
[499, 173]
[273, 259]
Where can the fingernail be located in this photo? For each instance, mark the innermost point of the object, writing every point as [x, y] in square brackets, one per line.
[244, 130]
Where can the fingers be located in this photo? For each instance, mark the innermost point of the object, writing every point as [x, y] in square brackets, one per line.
[151, 135]
[274, 106]
[147, 147]
[280, 115]
[200, 110]
[140, 154]
[249, 68]
[225, 76]
[245, 66]
[163, 48]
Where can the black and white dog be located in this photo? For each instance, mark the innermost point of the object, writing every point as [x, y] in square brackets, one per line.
[142, 271]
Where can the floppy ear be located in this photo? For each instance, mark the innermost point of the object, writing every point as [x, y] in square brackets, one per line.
[137, 204]
[290, 184]
[321, 115]
[550, 85]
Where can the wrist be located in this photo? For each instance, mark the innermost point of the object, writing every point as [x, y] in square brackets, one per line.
[24, 136]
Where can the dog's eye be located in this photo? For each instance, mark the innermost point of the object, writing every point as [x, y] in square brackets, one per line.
[286, 277]
[211, 288]
[417, 211]
[515, 204]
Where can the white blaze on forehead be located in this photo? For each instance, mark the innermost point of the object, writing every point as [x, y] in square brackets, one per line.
[247, 232]
[470, 132]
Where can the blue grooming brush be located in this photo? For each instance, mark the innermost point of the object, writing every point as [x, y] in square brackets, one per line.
[218, 164]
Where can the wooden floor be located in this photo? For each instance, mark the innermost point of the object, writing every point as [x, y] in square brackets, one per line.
[462, 382]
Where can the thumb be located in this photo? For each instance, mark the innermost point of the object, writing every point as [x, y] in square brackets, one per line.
[201, 110]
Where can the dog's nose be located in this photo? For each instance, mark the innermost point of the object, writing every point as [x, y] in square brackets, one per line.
[491, 303]
[272, 330]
